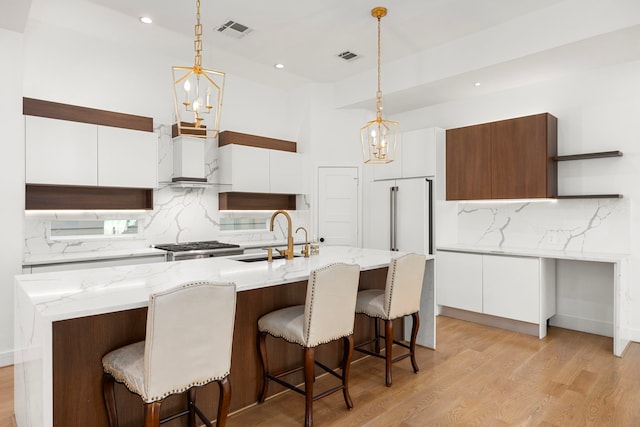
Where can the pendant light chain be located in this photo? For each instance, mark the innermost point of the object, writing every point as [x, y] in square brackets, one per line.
[197, 45]
[379, 92]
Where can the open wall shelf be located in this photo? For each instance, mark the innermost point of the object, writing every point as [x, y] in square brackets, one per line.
[599, 155]
[591, 196]
[614, 153]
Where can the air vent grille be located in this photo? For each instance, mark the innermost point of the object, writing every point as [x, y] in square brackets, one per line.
[348, 56]
[234, 29]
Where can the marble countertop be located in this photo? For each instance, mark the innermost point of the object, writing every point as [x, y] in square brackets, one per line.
[47, 259]
[71, 294]
[43, 259]
[539, 253]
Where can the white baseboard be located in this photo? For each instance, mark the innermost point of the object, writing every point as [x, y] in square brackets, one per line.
[6, 358]
[590, 326]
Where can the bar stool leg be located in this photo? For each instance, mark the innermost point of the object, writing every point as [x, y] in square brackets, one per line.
[388, 356]
[152, 414]
[110, 398]
[224, 401]
[262, 348]
[376, 329]
[191, 402]
[346, 366]
[309, 366]
[412, 345]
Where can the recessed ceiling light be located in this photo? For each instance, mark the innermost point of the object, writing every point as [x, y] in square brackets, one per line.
[476, 84]
[146, 20]
[279, 66]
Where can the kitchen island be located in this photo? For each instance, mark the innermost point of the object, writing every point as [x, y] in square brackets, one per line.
[66, 321]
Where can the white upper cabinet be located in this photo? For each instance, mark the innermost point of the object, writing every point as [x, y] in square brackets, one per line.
[60, 152]
[127, 158]
[415, 155]
[284, 172]
[245, 169]
[259, 170]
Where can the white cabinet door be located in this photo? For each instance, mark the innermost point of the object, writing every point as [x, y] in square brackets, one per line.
[459, 280]
[512, 287]
[379, 235]
[60, 152]
[127, 158]
[285, 171]
[419, 153]
[245, 169]
[412, 215]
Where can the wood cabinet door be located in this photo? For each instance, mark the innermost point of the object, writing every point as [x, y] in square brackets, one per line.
[520, 158]
[468, 163]
[459, 280]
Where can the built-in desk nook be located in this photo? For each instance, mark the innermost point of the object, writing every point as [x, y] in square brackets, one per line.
[517, 288]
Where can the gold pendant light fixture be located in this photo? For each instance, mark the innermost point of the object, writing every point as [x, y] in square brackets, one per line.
[378, 137]
[197, 93]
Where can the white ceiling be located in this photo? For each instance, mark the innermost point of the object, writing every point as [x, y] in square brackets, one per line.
[307, 37]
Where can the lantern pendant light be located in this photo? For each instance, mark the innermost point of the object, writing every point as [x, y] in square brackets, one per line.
[197, 93]
[379, 136]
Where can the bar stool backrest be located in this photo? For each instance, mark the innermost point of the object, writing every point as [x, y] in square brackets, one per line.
[330, 303]
[189, 336]
[404, 285]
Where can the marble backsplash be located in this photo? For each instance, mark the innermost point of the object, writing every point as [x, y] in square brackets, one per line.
[179, 215]
[582, 225]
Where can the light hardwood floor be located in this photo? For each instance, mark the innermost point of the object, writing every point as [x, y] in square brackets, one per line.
[478, 376]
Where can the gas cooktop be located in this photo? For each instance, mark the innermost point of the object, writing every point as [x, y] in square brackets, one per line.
[195, 246]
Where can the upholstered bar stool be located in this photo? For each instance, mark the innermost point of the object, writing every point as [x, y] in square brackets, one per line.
[327, 315]
[401, 297]
[187, 344]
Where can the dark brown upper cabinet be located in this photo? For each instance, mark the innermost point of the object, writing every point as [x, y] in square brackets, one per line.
[508, 159]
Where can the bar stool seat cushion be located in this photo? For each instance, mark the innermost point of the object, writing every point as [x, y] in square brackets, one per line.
[126, 364]
[371, 303]
[286, 323]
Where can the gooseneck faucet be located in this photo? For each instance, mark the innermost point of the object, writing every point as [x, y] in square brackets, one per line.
[288, 253]
[305, 249]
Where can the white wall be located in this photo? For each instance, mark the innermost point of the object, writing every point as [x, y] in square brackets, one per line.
[11, 183]
[597, 111]
[71, 58]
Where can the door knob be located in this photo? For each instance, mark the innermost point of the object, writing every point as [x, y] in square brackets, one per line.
[322, 240]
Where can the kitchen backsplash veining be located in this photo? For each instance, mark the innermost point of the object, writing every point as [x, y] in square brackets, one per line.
[179, 215]
[582, 225]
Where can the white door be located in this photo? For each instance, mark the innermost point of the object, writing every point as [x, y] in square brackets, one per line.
[338, 205]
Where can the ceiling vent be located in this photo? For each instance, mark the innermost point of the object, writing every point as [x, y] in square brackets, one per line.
[234, 29]
[348, 56]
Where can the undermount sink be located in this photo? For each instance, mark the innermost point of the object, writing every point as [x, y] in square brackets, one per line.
[260, 257]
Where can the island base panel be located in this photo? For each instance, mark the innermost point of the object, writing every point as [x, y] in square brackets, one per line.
[79, 344]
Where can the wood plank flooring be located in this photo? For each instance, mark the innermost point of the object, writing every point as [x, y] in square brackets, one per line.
[478, 376]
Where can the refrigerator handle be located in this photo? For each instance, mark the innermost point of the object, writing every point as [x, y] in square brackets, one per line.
[394, 219]
[430, 213]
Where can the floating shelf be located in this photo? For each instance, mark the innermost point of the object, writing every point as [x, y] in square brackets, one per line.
[602, 154]
[591, 196]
